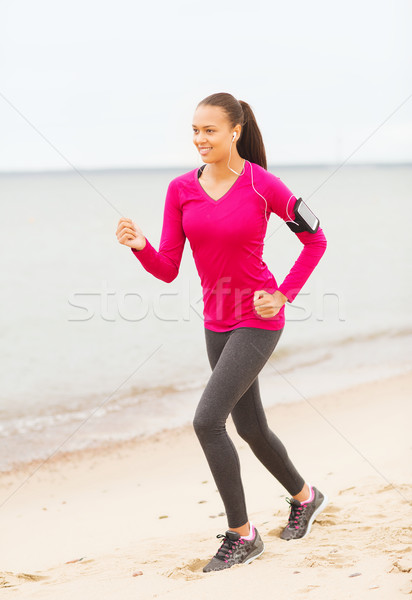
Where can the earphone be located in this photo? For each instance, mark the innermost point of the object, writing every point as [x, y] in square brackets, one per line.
[287, 212]
[251, 173]
[258, 193]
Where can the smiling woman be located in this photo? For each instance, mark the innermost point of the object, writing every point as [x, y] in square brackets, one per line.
[224, 216]
[214, 136]
[217, 124]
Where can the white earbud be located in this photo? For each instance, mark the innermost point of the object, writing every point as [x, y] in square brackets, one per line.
[234, 135]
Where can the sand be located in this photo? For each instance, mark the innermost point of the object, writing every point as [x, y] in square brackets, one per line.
[85, 524]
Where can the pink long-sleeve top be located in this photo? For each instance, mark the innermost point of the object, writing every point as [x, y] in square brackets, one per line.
[226, 237]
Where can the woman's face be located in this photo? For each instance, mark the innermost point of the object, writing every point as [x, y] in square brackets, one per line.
[212, 134]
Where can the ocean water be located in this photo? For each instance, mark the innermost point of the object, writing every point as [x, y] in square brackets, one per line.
[94, 349]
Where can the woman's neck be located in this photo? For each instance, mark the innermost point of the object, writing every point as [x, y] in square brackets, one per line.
[219, 171]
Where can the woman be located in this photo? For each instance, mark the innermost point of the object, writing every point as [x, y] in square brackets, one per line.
[223, 208]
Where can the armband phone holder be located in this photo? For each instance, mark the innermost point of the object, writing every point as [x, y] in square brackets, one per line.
[305, 220]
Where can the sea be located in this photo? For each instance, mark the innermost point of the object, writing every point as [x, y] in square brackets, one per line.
[95, 350]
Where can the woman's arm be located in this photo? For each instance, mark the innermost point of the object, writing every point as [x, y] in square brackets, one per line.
[313, 250]
[281, 201]
[164, 264]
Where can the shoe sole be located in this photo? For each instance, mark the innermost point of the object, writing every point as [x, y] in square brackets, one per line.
[315, 514]
[249, 560]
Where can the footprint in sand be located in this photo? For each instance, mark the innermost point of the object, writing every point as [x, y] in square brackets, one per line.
[334, 560]
[327, 520]
[190, 570]
[196, 565]
[405, 487]
[331, 508]
[275, 532]
[10, 579]
[400, 566]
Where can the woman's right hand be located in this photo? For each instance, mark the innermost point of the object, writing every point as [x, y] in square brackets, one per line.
[130, 234]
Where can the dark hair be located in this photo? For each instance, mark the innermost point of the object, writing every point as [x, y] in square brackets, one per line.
[250, 143]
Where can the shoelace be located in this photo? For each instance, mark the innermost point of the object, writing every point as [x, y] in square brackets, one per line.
[295, 513]
[227, 547]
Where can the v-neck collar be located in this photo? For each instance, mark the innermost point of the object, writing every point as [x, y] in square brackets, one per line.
[206, 195]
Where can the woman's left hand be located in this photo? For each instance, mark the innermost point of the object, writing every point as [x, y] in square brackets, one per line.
[268, 305]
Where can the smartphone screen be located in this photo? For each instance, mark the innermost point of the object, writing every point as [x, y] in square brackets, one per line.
[308, 215]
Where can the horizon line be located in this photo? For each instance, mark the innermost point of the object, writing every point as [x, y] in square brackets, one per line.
[188, 168]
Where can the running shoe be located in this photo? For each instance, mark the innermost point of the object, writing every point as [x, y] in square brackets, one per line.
[235, 550]
[302, 515]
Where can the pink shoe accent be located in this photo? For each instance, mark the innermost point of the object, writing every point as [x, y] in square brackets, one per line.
[311, 497]
[251, 533]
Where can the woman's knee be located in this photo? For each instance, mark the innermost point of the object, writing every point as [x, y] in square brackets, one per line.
[207, 425]
[199, 424]
[249, 433]
[202, 423]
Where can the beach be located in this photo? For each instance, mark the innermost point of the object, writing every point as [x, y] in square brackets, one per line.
[138, 518]
[105, 490]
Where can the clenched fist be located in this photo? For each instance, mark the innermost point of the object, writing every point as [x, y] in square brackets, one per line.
[130, 234]
[268, 305]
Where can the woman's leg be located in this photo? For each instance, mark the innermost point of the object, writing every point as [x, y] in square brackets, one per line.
[251, 424]
[236, 364]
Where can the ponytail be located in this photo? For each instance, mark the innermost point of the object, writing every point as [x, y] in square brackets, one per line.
[250, 143]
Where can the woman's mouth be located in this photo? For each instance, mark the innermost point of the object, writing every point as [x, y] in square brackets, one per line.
[204, 151]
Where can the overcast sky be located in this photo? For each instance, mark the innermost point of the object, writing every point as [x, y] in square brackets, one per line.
[115, 84]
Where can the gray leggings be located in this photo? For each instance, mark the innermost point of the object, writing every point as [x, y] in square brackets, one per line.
[236, 358]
